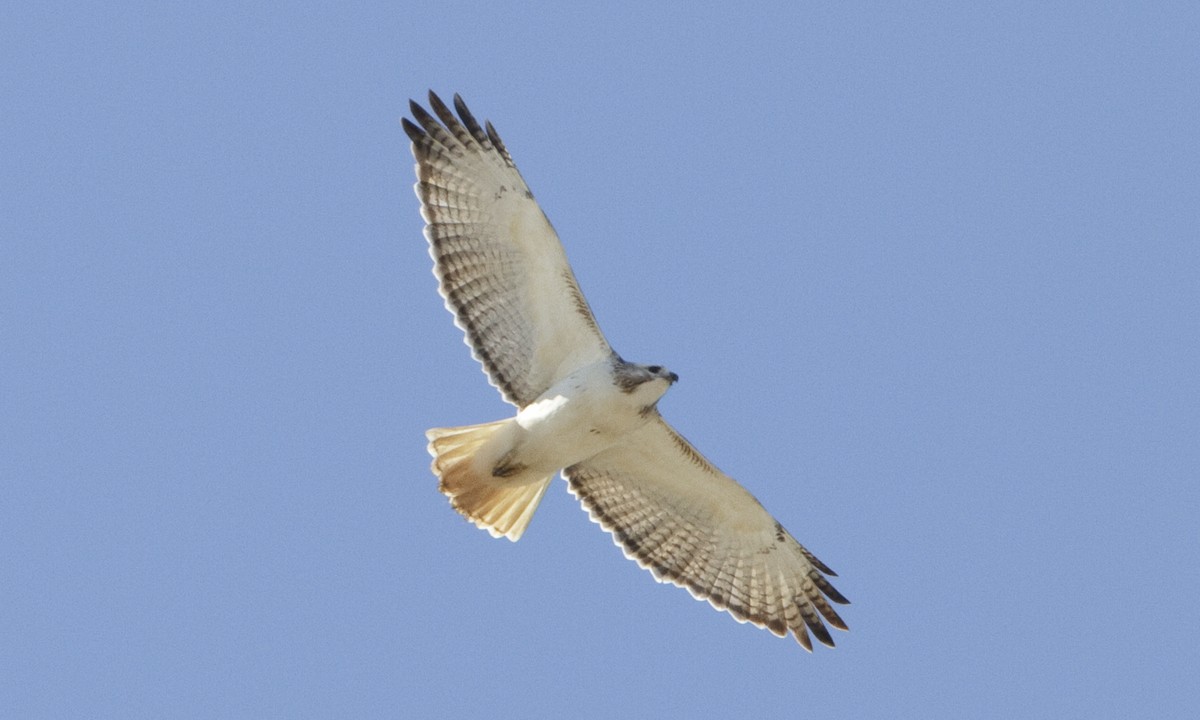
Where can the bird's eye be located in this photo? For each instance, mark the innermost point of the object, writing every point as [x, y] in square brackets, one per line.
[655, 369]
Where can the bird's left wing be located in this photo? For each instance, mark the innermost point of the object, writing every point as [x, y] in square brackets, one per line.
[498, 261]
[690, 524]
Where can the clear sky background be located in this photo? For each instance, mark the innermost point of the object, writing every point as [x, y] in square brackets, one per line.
[929, 272]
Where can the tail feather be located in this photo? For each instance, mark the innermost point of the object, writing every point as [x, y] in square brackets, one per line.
[499, 505]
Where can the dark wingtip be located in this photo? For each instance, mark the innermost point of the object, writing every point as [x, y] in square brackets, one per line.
[832, 593]
[801, 636]
[438, 106]
[460, 105]
[823, 635]
[414, 133]
[493, 135]
[469, 121]
[421, 115]
[835, 620]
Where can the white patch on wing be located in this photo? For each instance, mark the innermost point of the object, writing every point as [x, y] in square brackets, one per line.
[540, 410]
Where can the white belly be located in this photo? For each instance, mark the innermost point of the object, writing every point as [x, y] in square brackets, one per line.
[579, 417]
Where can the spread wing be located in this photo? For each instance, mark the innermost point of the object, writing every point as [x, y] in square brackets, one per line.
[499, 263]
[690, 524]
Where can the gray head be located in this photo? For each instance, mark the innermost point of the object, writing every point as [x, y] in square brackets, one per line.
[631, 376]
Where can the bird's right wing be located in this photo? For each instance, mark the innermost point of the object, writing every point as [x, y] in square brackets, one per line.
[499, 263]
[690, 524]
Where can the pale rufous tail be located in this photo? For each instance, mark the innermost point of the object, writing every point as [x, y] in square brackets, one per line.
[501, 507]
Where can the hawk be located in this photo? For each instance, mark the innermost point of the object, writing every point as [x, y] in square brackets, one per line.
[583, 410]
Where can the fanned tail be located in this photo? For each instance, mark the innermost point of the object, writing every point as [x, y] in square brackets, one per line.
[500, 506]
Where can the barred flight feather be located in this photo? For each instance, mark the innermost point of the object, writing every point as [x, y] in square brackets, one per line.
[499, 263]
[691, 525]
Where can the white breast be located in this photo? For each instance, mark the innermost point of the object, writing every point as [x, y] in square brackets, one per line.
[579, 417]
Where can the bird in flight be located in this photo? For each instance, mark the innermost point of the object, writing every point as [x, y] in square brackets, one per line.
[582, 409]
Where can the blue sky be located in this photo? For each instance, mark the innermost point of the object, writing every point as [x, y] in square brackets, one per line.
[930, 274]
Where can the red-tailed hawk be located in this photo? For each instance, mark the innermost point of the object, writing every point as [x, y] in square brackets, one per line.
[582, 409]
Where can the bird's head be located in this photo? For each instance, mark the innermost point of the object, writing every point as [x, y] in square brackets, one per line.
[658, 372]
[647, 383]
